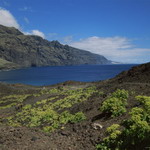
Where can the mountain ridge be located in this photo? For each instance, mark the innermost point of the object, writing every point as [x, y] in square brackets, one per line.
[31, 51]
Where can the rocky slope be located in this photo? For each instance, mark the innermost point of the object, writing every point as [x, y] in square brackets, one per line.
[28, 50]
[29, 114]
[139, 74]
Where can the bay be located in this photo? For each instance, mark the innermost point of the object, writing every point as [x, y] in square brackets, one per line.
[56, 74]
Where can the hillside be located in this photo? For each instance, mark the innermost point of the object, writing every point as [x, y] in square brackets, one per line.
[136, 74]
[71, 116]
[32, 51]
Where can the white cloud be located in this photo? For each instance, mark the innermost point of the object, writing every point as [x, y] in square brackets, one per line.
[7, 19]
[114, 48]
[36, 32]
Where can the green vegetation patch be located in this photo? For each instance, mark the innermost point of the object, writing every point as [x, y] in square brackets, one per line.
[71, 97]
[46, 113]
[112, 139]
[116, 103]
[134, 132]
[46, 119]
[12, 100]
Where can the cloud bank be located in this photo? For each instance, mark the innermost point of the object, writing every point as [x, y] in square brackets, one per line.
[114, 48]
[7, 19]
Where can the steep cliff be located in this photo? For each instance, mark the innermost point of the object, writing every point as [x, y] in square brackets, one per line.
[28, 50]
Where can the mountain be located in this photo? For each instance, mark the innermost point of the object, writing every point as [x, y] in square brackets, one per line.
[21, 50]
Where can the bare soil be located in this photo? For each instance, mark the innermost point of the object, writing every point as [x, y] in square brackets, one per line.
[77, 136]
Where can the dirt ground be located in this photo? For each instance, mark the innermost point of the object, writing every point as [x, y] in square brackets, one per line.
[75, 136]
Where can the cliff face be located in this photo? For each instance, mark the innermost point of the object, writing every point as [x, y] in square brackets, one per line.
[28, 50]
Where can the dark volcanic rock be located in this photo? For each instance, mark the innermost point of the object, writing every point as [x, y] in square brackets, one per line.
[137, 74]
[29, 50]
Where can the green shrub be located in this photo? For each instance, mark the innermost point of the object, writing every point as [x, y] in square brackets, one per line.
[79, 116]
[135, 132]
[121, 94]
[116, 104]
[112, 139]
[138, 126]
[65, 117]
[145, 101]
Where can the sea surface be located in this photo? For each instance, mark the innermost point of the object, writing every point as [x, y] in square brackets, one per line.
[57, 74]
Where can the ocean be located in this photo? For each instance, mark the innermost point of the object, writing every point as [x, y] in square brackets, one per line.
[40, 76]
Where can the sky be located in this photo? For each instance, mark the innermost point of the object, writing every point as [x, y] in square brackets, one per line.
[116, 29]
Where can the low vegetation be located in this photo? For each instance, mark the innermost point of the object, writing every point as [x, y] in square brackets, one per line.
[116, 103]
[12, 100]
[133, 133]
[50, 113]
[50, 109]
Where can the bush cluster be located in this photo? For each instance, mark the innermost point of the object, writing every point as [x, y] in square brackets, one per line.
[112, 139]
[135, 133]
[116, 103]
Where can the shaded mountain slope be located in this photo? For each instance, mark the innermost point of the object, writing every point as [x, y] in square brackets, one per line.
[18, 101]
[29, 50]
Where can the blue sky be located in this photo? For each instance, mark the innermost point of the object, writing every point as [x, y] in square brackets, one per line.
[117, 29]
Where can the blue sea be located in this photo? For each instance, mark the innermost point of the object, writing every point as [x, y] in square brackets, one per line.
[56, 74]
